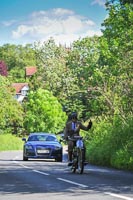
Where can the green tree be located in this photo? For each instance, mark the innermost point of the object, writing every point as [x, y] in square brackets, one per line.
[82, 61]
[54, 73]
[11, 112]
[116, 55]
[112, 137]
[17, 57]
[43, 112]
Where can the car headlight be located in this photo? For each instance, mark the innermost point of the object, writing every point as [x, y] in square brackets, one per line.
[57, 148]
[29, 147]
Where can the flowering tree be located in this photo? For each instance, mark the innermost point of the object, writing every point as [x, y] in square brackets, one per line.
[3, 68]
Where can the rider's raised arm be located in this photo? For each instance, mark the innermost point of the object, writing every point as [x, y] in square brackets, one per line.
[85, 128]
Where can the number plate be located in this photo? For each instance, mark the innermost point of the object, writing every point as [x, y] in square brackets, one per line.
[43, 151]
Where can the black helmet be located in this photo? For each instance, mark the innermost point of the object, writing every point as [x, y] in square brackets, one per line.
[74, 115]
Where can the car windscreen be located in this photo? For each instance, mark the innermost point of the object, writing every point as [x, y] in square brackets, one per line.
[42, 138]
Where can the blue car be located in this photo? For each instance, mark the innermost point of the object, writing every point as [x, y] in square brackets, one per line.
[42, 146]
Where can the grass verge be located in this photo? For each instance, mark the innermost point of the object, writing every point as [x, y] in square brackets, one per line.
[10, 142]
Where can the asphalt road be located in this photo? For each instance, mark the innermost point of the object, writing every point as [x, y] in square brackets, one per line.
[49, 180]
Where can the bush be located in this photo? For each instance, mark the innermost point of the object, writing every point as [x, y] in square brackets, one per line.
[112, 143]
[123, 159]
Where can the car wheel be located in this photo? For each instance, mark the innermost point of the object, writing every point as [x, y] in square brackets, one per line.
[25, 158]
[59, 159]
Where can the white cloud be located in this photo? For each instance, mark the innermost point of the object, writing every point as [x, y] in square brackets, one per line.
[91, 33]
[22, 30]
[61, 12]
[67, 39]
[99, 2]
[61, 24]
[8, 23]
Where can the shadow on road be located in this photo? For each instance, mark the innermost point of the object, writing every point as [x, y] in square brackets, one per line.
[18, 179]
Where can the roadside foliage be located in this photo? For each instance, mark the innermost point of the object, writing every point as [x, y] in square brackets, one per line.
[11, 112]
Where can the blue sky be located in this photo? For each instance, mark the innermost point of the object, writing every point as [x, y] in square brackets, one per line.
[27, 21]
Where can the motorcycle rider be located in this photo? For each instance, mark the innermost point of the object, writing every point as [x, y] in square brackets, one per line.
[72, 129]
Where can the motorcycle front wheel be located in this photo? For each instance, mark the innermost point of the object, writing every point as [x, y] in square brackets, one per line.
[81, 161]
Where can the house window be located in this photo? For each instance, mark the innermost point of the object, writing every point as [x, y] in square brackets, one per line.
[24, 92]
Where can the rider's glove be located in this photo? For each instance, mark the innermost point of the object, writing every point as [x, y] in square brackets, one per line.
[90, 124]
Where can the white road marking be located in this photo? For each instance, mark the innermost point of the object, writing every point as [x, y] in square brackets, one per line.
[31, 168]
[22, 165]
[25, 166]
[65, 180]
[119, 196]
[40, 172]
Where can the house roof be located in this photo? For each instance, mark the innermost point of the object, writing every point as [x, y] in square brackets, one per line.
[30, 71]
[18, 86]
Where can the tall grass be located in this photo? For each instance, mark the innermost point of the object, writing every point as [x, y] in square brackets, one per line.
[10, 142]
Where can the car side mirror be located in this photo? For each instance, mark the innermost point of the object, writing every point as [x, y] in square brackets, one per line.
[24, 139]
